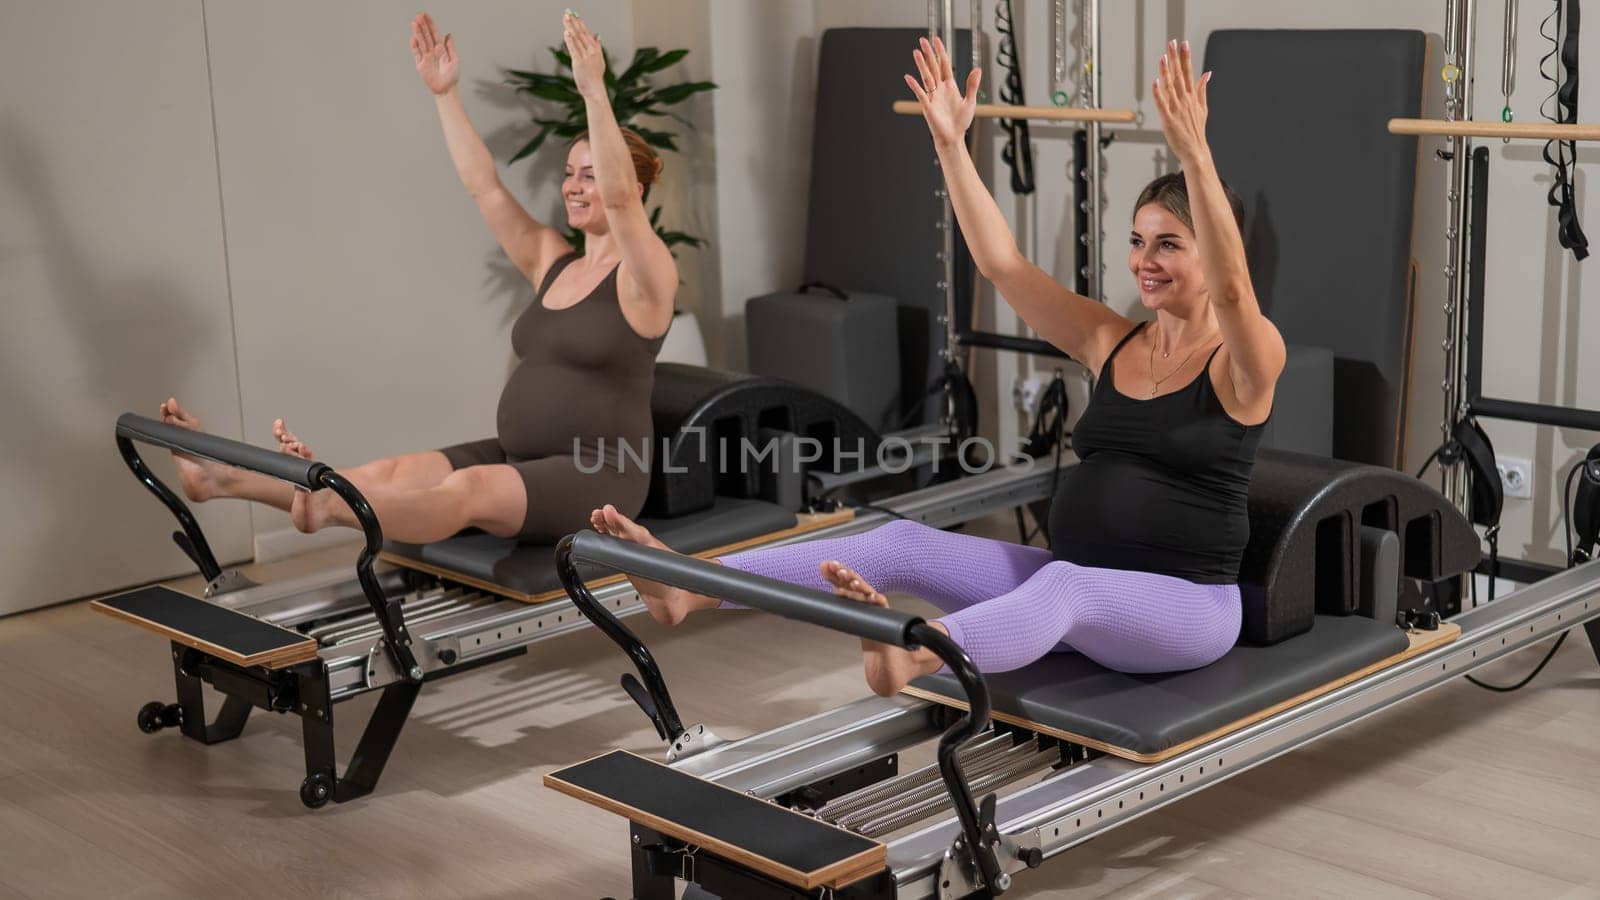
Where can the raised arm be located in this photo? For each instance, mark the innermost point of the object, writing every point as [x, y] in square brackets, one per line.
[1254, 346]
[648, 279]
[1083, 328]
[531, 245]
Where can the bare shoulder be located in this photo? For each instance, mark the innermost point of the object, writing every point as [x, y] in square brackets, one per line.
[1103, 338]
[1248, 408]
[647, 297]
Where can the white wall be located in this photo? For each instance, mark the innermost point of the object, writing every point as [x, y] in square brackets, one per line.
[687, 191]
[249, 206]
[113, 289]
[764, 59]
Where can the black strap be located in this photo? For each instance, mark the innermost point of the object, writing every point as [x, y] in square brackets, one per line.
[1485, 490]
[825, 288]
[1569, 231]
[1586, 508]
[1018, 151]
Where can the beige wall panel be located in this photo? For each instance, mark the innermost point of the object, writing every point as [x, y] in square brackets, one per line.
[764, 57]
[112, 284]
[370, 310]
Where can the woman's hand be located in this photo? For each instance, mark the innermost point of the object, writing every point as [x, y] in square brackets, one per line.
[437, 62]
[588, 62]
[947, 112]
[1182, 104]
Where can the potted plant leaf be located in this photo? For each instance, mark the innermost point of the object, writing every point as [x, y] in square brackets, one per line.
[633, 96]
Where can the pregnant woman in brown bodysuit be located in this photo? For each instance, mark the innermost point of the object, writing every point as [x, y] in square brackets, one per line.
[586, 346]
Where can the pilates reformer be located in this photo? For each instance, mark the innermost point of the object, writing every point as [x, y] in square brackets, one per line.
[413, 614]
[1034, 762]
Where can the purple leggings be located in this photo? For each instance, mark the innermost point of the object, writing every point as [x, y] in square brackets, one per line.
[1009, 604]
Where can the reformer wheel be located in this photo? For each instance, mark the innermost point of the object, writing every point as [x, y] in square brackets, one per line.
[316, 790]
[155, 715]
[150, 717]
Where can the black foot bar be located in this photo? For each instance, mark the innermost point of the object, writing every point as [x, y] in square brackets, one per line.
[652, 696]
[302, 473]
[791, 601]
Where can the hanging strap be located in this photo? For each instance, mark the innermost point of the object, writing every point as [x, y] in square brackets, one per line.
[1569, 231]
[1018, 151]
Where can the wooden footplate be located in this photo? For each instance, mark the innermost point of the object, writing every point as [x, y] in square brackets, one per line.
[761, 836]
[224, 633]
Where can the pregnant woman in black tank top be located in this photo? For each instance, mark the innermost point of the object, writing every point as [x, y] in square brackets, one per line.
[586, 346]
[1147, 531]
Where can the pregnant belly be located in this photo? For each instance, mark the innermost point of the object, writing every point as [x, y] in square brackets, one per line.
[544, 410]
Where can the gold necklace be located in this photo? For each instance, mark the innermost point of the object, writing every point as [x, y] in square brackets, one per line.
[1154, 339]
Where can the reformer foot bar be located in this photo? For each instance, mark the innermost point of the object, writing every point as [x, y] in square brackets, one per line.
[303, 645]
[1047, 788]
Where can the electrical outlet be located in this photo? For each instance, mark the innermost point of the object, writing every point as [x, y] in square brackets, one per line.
[1025, 395]
[1516, 476]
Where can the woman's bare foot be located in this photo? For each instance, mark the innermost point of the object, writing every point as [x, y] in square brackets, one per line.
[309, 509]
[888, 668]
[201, 479]
[667, 604]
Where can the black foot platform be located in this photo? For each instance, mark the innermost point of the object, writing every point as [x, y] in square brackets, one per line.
[240, 639]
[258, 665]
[776, 842]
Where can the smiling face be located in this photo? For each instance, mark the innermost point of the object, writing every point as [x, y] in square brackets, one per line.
[580, 193]
[1164, 260]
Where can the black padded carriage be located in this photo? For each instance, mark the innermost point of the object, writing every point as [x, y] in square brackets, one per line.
[1148, 718]
[528, 571]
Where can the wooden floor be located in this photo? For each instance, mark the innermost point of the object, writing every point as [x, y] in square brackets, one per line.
[1462, 793]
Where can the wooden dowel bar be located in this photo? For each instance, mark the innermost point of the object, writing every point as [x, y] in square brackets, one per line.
[1544, 131]
[1037, 113]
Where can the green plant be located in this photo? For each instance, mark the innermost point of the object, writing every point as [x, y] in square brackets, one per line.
[632, 97]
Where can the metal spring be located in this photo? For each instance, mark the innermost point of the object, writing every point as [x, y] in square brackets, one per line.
[848, 803]
[1019, 768]
[934, 789]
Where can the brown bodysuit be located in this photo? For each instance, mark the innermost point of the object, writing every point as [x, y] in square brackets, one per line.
[579, 393]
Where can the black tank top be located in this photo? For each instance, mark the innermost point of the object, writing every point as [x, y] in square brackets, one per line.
[1163, 484]
[582, 372]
